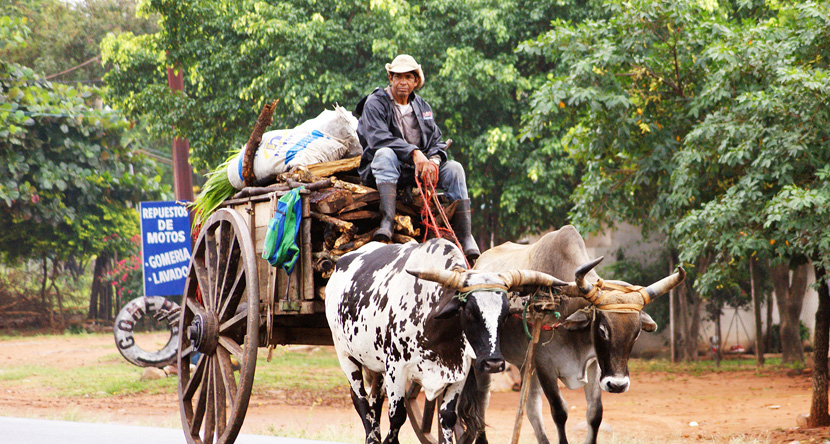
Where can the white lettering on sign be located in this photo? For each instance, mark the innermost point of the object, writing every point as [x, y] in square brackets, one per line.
[169, 275]
[163, 212]
[168, 258]
[165, 224]
[165, 237]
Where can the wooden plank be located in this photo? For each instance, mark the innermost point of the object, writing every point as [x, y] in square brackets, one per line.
[310, 307]
[305, 252]
[304, 336]
[337, 166]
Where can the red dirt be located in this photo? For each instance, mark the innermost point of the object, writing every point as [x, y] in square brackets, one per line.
[659, 407]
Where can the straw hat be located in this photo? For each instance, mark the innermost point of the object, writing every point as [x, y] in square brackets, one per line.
[406, 63]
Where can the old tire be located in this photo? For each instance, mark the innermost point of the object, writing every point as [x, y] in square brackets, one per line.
[125, 323]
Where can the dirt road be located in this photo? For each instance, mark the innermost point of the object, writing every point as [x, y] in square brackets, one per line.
[659, 407]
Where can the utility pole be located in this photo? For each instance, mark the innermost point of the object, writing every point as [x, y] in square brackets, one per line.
[182, 173]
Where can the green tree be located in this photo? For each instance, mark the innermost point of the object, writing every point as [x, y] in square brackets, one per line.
[620, 100]
[757, 166]
[67, 182]
[70, 35]
[238, 55]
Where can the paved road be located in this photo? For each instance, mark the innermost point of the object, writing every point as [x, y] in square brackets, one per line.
[39, 431]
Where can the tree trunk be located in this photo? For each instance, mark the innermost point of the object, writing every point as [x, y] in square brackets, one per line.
[100, 293]
[756, 308]
[789, 291]
[768, 333]
[45, 269]
[818, 409]
[717, 342]
[687, 315]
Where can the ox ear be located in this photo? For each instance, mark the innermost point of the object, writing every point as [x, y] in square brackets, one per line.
[577, 321]
[449, 310]
[646, 323]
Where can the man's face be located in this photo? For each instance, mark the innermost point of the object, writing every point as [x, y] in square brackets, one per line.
[402, 85]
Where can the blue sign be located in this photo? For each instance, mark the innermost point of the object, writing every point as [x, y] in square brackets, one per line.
[165, 247]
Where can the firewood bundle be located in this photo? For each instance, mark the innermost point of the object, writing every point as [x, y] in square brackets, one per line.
[344, 213]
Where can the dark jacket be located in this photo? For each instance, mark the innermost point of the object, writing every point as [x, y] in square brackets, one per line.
[377, 129]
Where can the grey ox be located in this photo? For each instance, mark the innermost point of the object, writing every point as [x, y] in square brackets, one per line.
[592, 346]
[412, 312]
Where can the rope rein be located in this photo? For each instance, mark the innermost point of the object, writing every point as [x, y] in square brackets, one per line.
[428, 193]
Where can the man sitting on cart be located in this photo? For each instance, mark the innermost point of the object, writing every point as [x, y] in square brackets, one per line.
[400, 141]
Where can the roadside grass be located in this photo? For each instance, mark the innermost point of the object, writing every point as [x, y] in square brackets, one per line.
[291, 368]
[704, 366]
[99, 381]
[303, 368]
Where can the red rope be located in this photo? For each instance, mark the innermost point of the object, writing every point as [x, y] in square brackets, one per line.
[428, 219]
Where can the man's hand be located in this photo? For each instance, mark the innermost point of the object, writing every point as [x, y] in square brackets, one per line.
[426, 170]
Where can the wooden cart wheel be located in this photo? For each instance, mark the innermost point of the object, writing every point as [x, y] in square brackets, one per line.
[423, 419]
[220, 324]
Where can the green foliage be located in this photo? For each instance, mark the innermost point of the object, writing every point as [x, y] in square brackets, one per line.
[66, 180]
[753, 174]
[706, 124]
[236, 56]
[66, 34]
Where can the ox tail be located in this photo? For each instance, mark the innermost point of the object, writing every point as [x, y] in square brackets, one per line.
[472, 404]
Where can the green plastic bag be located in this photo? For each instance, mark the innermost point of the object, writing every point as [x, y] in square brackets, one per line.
[280, 249]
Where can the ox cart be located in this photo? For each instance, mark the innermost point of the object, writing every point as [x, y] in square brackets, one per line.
[235, 303]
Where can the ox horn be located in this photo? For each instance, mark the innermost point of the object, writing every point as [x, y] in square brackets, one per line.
[667, 283]
[585, 287]
[452, 279]
[516, 278]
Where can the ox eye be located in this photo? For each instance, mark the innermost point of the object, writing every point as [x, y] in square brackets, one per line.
[603, 332]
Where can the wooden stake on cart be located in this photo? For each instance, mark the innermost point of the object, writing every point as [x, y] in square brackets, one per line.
[527, 372]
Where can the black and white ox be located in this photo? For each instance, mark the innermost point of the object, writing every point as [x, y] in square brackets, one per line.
[412, 312]
[601, 321]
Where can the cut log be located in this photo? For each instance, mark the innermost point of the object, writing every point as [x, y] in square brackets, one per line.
[337, 166]
[262, 123]
[325, 183]
[321, 265]
[404, 225]
[353, 187]
[402, 239]
[353, 206]
[331, 200]
[344, 239]
[340, 224]
[368, 197]
[359, 215]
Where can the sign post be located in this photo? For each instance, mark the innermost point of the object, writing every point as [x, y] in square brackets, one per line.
[165, 247]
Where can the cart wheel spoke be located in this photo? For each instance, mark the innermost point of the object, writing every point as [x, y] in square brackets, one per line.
[232, 347]
[201, 404]
[222, 325]
[232, 322]
[210, 405]
[230, 304]
[219, 398]
[198, 376]
[421, 420]
[228, 378]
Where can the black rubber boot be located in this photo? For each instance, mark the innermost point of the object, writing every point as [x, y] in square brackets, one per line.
[461, 225]
[387, 211]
